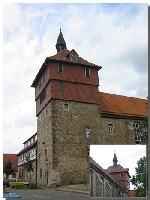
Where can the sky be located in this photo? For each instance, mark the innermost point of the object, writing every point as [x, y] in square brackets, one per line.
[127, 156]
[113, 36]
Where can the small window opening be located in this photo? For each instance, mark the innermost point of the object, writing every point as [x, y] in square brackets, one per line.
[42, 95]
[60, 68]
[87, 71]
[110, 128]
[61, 86]
[66, 106]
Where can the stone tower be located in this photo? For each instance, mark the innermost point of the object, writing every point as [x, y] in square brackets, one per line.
[120, 174]
[67, 110]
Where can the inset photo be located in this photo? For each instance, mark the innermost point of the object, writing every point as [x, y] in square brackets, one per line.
[118, 171]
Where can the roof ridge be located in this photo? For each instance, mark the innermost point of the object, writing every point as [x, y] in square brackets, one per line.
[123, 95]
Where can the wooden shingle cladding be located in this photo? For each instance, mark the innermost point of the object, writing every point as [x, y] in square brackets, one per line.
[63, 57]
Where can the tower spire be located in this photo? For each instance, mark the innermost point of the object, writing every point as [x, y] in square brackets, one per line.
[61, 44]
[115, 159]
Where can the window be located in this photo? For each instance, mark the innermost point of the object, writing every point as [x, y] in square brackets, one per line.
[136, 125]
[73, 57]
[137, 139]
[61, 86]
[110, 128]
[31, 140]
[40, 173]
[45, 153]
[42, 95]
[87, 72]
[46, 175]
[39, 156]
[66, 106]
[14, 175]
[46, 112]
[60, 67]
[87, 132]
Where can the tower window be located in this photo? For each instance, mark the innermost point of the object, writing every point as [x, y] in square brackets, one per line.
[60, 67]
[42, 95]
[66, 106]
[87, 132]
[110, 128]
[61, 86]
[45, 153]
[87, 71]
[40, 173]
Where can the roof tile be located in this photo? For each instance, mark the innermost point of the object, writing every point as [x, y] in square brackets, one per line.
[64, 56]
[122, 105]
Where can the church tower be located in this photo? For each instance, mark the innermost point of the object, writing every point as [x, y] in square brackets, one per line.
[67, 110]
[120, 174]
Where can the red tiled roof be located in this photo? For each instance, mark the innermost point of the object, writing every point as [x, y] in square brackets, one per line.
[73, 52]
[64, 56]
[13, 158]
[112, 104]
[116, 168]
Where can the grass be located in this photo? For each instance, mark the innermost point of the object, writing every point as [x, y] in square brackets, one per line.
[84, 187]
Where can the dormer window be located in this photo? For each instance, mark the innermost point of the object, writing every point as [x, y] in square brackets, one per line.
[73, 57]
[87, 71]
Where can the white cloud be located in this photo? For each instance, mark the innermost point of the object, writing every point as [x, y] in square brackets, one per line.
[116, 40]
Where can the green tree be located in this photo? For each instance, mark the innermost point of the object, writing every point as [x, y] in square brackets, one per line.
[28, 165]
[8, 168]
[139, 180]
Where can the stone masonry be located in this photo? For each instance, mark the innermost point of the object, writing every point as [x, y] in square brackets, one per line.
[62, 133]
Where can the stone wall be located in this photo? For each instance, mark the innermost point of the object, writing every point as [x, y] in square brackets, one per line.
[104, 186]
[61, 130]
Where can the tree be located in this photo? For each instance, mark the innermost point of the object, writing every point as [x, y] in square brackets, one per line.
[139, 180]
[28, 165]
[8, 168]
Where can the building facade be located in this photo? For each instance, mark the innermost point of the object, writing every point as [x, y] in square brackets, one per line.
[112, 182]
[28, 153]
[72, 114]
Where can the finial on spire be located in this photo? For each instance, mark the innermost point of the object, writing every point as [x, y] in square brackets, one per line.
[60, 26]
[115, 159]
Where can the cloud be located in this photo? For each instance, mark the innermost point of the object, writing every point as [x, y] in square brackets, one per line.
[113, 36]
